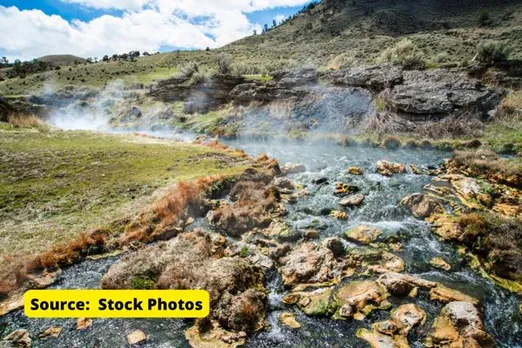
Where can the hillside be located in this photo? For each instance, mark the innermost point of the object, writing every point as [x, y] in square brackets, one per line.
[354, 32]
[62, 59]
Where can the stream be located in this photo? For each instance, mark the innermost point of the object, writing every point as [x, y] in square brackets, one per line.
[380, 209]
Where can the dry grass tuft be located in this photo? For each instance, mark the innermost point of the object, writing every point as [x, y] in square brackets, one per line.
[27, 121]
[456, 126]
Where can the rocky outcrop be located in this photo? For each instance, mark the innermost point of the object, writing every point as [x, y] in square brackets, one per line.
[377, 77]
[363, 234]
[459, 325]
[194, 261]
[422, 206]
[389, 168]
[441, 93]
[254, 205]
[17, 339]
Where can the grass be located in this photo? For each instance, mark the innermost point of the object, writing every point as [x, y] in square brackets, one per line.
[55, 185]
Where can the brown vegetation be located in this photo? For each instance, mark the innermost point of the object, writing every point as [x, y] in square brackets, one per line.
[487, 164]
[497, 241]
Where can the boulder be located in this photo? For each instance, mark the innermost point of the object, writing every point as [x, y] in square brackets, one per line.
[402, 284]
[362, 296]
[293, 168]
[445, 295]
[136, 337]
[389, 168]
[352, 201]
[355, 171]
[441, 92]
[311, 262]
[288, 319]
[18, 338]
[439, 262]
[52, 332]
[459, 325]
[422, 206]
[377, 77]
[212, 335]
[83, 324]
[363, 234]
[195, 260]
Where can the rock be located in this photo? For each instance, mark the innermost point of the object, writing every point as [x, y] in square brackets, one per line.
[194, 260]
[415, 170]
[288, 319]
[339, 215]
[311, 234]
[312, 263]
[441, 92]
[459, 325]
[320, 181]
[352, 201]
[52, 332]
[439, 262]
[342, 189]
[408, 316]
[355, 171]
[394, 333]
[19, 338]
[291, 299]
[362, 296]
[136, 337]
[293, 168]
[389, 168]
[379, 340]
[11, 303]
[446, 295]
[254, 206]
[363, 234]
[316, 303]
[335, 245]
[284, 183]
[281, 232]
[422, 206]
[346, 311]
[83, 324]
[402, 284]
[214, 336]
[377, 77]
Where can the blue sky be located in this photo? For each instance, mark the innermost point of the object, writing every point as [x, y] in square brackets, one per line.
[92, 28]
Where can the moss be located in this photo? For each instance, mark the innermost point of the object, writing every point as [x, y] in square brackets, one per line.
[142, 283]
[244, 251]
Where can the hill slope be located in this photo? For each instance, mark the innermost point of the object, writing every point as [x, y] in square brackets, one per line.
[62, 59]
[356, 30]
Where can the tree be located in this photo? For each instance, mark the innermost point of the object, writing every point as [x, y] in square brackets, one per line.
[484, 18]
[274, 23]
[266, 28]
[115, 57]
[207, 49]
[89, 60]
[255, 31]
[105, 58]
[4, 60]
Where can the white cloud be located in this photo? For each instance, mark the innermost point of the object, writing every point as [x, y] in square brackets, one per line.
[145, 25]
[279, 18]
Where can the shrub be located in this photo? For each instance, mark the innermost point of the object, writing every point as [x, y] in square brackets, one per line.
[142, 283]
[493, 52]
[405, 52]
[341, 61]
[391, 143]
[442, 57]
[188, 69]
[27, 121]
[484, 19]
[224, 63]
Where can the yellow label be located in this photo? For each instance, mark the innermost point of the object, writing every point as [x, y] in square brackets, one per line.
[116, 303]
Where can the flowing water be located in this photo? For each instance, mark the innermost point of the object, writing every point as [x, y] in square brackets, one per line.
[381, 209]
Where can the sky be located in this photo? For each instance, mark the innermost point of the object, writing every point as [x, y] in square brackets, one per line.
[93, 28]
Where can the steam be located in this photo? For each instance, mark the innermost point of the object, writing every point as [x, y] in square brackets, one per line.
[89, 114]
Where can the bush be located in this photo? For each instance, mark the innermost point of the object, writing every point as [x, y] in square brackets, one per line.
[484, 19]
[342, 61]
[188, 69]
[224, 63]
[442, 57]
[405, 52]
[493, 52]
